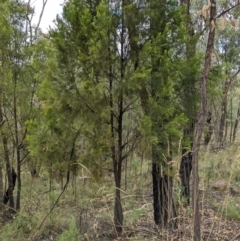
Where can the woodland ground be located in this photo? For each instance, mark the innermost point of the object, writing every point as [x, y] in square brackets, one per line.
[85, 210]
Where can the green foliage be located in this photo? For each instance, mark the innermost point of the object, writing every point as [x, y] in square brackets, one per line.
[71, 234]
[19, 228]
[231, 210]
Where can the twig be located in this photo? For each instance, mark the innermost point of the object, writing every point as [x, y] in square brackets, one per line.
[238, 235]
[41, 14]
[227, 10]
[68, 176]
[64, 188]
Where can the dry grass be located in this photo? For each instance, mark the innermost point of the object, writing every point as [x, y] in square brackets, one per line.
[90, 204]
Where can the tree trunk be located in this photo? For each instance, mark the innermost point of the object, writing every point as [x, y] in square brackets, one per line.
[17, 145]
[19, 183]
[185, 174]
[208, 134]
[186, 163]
[236, 124]
[223, 113]
[189, 97]
[118, 212]
[1, 191]
[9, 193]
[201, 121]
[163, 204]
[231, 125]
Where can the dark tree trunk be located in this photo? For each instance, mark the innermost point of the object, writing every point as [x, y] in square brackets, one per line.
[208, 134]
[223, 113]
[118, 211]
[1, 190]
[9, 192]
[11, 187]
[163, 204]
[186, 163]
[116, 152]
[19, 182]
[236, 124]
[231, 125]
[190, 110]
[185, 174]
[17, 144]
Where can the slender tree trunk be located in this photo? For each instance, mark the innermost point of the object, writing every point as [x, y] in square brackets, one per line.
[185, 174]
[186, 163]
[190, 93]
[163, 204]
[236, 123]
[118, 211]
[9, 192]
[231, 125]
[1, 190]
[223, 113]
[19, 182]
[17, 146]
[201, 122]
[208, 134]
[118, 147]
[1, 173]
[11, 175]
[116, 151]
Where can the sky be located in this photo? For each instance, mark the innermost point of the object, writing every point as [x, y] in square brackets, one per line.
[52, 8]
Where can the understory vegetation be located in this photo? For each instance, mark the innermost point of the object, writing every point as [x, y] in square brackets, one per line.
[84, 211]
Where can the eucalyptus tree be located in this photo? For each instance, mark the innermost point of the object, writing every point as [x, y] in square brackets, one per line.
[211, 12]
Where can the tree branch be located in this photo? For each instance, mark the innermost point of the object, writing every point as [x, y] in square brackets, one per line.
[227, 10]
[41, 14]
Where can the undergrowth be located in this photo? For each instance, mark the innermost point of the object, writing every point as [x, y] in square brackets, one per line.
[85, 211]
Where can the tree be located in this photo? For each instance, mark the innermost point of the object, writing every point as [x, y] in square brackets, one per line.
[189, 99]
[18, 88]
[5, 70]
[159, 86]
[87, 90]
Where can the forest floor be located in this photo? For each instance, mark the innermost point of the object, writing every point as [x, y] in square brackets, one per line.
[85, 210]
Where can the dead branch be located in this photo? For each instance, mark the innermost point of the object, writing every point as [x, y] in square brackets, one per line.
[41, 14]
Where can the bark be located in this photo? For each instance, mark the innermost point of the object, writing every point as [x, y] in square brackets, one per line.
[117, 148]
[223, 124]
[10, 187]
[1, 190]
[116, 151]
[185, 174]
[9, 174]
[163, 204]
[118, 211]
[186, 160]
[236, 124]
[231, 125]
[201, 122]
[17, 145]
[208, 134]
[223, 113]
